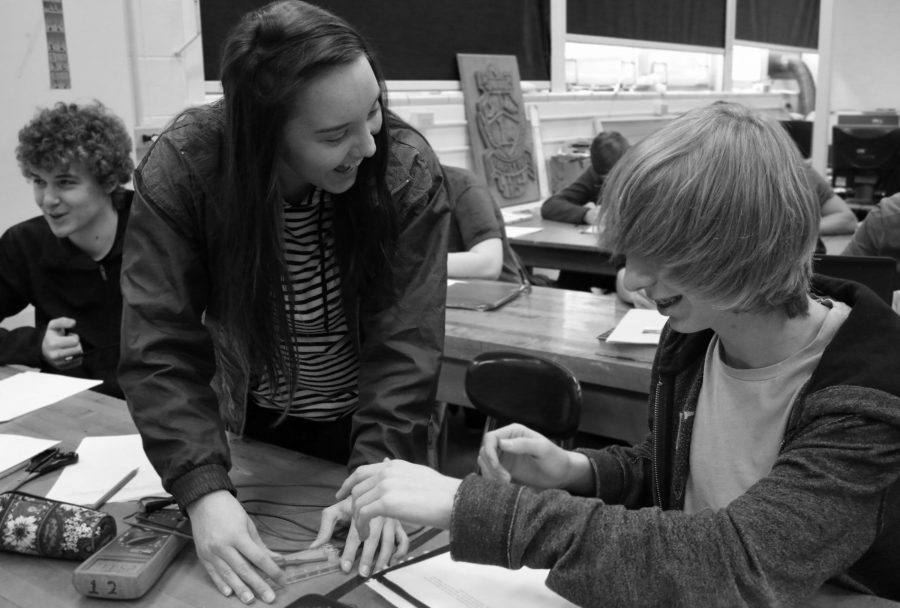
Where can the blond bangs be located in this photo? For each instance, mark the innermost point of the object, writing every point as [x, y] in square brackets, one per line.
[720, 200]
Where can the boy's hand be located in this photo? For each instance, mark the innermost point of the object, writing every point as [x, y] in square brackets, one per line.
[61, 348]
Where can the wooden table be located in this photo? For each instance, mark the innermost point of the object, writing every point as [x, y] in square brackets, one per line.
[560, 246]
[561, 325]
[28, 582]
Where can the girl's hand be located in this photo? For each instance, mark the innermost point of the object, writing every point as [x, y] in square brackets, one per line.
[384, 535]
[230, 548]
[409, 492]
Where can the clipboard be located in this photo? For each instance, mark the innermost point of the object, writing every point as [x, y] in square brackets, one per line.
[483, 295]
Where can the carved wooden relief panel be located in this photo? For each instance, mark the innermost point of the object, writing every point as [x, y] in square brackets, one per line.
[499, 132]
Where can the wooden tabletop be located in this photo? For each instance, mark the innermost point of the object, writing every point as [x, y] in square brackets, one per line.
[575, 247]
[561, 325]
[560, 246]
[27, 581]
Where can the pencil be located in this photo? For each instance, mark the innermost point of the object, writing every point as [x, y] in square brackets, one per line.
[112, 491]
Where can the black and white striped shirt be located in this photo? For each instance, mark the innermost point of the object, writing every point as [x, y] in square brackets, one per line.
[328, 366]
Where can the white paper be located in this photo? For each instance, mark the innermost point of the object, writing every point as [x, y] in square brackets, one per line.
[103, 462]
[30, 391]
[394, 599]
[17, 450]
[639, 326]
[514, 231]
[516, 216]
[440, 582]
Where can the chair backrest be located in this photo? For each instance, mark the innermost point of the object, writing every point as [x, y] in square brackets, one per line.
[875, 272]
[538, 393]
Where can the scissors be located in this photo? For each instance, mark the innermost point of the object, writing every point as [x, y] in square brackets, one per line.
[45, 462]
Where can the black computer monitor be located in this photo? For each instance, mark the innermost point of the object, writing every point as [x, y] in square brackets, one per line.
[878, 119]
[801, 132]
[866, 161]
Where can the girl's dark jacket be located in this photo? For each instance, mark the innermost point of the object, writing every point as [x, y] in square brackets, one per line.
[184, 386]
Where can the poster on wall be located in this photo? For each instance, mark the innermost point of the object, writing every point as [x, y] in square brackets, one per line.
[500, 136]
[57, 51]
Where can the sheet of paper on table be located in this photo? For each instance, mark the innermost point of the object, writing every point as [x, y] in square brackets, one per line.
[440, 582]
[103, 461]
[514, 231]
[510, 216]
[19, 449]
[29, 391]
[639, 326]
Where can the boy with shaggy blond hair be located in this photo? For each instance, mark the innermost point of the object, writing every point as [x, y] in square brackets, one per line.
[772, 462]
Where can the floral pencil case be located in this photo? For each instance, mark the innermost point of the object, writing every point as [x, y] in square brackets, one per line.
[39, 526]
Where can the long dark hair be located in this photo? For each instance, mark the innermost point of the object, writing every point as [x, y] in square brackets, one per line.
[267, 60]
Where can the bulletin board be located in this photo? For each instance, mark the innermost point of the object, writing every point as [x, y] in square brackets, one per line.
[416, 39]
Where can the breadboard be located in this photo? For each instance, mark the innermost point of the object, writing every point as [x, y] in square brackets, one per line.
[310, 563]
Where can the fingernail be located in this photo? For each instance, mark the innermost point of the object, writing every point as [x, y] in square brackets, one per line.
[247, 598]
[269, 597]
[226, 591]
[364, 571]
[345, 566]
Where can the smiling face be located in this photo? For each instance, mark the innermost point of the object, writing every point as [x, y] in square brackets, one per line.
[331, 130]
[687, 311]
[72, 201]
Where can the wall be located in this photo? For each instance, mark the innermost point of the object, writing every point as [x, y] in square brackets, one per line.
[99, 67]
[866, 55]
[141, 58]
[564, 117]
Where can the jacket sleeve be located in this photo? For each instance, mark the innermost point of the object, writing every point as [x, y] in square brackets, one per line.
[403, 342]
[567, 205]
[815, 514]
[167, 358]
[23, 344]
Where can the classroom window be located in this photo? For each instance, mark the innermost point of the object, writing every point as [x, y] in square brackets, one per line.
[634, 68]
[757, 69]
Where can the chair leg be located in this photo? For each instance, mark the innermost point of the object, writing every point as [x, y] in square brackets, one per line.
[437, 437]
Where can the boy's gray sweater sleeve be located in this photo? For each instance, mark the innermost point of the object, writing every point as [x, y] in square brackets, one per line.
[809, 520]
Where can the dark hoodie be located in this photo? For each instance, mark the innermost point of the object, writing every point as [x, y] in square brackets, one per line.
[828, 510]
[60, 280]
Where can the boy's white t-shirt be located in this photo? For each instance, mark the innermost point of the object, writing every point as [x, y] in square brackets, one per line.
[741, 417]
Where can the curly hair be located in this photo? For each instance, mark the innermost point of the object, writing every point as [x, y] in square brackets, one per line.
[88, 134]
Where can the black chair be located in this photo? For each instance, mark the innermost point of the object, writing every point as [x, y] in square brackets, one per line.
[875, 272]
[538, 393]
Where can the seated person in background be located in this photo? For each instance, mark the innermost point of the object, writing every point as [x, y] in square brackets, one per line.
[477, 245]
[836, 217]
[879, 234]
[577, 203]
[772, 464]
[66, 264]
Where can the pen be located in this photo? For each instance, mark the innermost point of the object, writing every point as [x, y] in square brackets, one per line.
[112, 491]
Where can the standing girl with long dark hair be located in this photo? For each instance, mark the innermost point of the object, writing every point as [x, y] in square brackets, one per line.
[284, 277]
